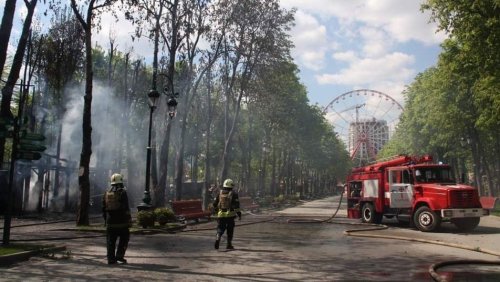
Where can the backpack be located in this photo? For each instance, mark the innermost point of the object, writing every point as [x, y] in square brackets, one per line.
[225, 199]
[112, 199]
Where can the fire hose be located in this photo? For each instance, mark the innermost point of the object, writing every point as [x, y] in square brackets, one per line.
[352, 232]
[374, 227]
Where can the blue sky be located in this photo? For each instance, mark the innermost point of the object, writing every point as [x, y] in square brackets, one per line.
[340, 45]
[346, 45]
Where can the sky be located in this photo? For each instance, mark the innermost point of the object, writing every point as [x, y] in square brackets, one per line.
[340, 45]
[361, 44]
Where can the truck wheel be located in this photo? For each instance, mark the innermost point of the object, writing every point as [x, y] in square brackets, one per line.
[426, 220]
[466, 223]
[369, 215]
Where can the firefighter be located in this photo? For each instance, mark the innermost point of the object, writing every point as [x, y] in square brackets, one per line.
[227, 207]
[116, 213]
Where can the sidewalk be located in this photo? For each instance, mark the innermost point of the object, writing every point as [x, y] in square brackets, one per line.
[271, 251]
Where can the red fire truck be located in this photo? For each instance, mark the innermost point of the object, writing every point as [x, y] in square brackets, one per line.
[415, 190]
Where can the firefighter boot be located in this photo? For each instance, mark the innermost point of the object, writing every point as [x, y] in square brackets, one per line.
[217, 242]
[229, 246]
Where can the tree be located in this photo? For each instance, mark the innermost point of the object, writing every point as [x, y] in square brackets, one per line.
[8, 89]
[87, 23]
[5, 30]
[62, 58]
[257, 34]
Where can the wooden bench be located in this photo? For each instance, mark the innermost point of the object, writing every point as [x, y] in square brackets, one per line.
[189, 209]
[489, 202]
[248, 204]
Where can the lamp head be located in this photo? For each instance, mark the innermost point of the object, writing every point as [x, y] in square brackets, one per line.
[153, 96]
[172, 106]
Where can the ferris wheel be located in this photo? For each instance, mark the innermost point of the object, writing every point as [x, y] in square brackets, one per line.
[364, 120]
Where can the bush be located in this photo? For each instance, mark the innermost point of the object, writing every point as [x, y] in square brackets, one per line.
[265, 201]
[280, 199]
[164, 215]
[146, 219]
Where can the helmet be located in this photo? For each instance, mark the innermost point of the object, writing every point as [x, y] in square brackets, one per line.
[116, 179]
[228, 183]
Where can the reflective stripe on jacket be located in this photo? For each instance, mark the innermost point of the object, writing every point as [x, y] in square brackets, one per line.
[235, 205]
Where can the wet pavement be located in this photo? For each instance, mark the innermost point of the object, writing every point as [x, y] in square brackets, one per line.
[270, 246]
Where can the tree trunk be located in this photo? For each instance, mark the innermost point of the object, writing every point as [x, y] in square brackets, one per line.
[9, 11]
[229, 137]
[8, 89]
[84, 173]
[164, 153]
[179, 167]
[208, 181]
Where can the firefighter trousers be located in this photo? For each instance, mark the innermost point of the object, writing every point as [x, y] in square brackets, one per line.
[112, 234]
[223, 224]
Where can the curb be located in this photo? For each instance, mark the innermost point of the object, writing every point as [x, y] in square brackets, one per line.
[7, 260]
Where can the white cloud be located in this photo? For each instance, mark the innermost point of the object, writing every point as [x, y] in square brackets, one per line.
[348, 56]
[376, 43]
[401, 20]
[391, 67]
[309, 37]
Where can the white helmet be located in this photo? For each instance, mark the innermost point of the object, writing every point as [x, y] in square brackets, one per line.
[228, 183]
[116, 179]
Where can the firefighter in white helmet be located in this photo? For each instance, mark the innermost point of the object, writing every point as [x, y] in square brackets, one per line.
[116, 213]
[227, 207]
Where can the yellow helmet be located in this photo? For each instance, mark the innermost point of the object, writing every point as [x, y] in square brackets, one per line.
[228, 183]
[116, 179]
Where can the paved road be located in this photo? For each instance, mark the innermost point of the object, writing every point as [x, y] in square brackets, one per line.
[269, 247]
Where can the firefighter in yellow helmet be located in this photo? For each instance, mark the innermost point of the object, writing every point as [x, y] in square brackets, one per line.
[116, 213]
[227, 207]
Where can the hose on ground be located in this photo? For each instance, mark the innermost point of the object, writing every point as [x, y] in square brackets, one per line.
[314, 220]
[438, 278]
[376, 227]
[350, 232]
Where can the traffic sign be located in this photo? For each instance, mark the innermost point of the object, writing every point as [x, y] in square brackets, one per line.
[29, 156]
[31, 147]
[6, 121]
[32, 136]
[6, 134]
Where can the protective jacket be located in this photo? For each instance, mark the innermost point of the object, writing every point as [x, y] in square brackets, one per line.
[227, 203]
[115, 208]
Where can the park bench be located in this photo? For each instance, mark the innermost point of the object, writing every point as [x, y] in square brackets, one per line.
[248, 204]
[189, 209]
[489, 202]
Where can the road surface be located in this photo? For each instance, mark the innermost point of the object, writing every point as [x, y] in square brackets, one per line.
[270, 246]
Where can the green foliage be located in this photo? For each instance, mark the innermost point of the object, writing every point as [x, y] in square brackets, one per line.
[280, 199]
[452, 110]
[265, 201]
[146, 219]
[164, 215]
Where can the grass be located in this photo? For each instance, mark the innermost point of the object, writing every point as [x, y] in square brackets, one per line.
[102, 229]
[495, 212]
[17, 248]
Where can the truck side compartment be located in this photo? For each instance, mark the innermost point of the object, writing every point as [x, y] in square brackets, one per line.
[412, 189]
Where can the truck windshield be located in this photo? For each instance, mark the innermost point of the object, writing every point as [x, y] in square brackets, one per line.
[434, 175]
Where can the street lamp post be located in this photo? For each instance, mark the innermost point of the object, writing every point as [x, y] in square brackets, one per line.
[153, 96]
[172, 106]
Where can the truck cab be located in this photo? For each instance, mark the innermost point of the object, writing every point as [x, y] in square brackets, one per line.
[413, 190]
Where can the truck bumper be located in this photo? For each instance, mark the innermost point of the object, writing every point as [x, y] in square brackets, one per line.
[459, 213]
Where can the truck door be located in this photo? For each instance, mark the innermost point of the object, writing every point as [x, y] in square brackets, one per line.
[400, 188]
